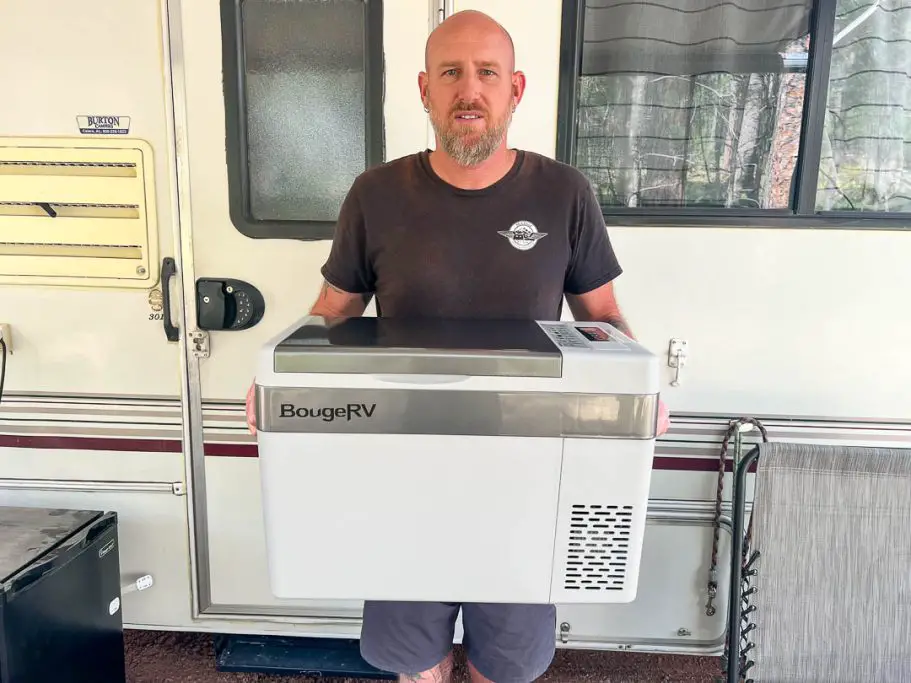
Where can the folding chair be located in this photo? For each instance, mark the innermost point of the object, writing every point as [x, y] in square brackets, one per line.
[821, 581]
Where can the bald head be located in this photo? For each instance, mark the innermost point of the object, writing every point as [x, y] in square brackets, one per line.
[469, 27]
[470, 87]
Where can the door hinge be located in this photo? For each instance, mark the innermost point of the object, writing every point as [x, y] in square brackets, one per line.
[199, 341]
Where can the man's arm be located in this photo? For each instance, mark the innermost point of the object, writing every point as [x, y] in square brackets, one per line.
[333, 302]
[600, 305]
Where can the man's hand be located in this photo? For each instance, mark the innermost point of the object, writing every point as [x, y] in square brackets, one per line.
[251, 408]
[664, 418]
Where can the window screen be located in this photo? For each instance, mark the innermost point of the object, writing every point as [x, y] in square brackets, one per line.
[304, 102]
[865, 162]
[754, 112]
[692, 102]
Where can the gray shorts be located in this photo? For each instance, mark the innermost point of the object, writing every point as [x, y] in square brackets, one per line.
[506, 643]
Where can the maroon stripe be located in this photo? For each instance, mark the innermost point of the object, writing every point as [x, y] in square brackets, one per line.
[231, 450]
[694, 464]
[249, 450]
[91, 443]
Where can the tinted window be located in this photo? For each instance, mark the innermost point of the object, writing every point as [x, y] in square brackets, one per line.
[304, 109]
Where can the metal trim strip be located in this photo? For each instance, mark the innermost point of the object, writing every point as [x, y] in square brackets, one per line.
[173, 487]
[191, 391]
[683, 423]
[30, 421]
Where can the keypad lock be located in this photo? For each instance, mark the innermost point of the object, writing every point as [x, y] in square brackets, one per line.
[228, 304]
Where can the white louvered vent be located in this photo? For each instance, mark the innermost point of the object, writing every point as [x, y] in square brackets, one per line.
[77, 212]
[598, 552]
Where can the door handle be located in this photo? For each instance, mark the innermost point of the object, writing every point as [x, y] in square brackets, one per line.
[168, 270]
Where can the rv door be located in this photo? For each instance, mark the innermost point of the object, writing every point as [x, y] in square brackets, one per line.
[279, 106]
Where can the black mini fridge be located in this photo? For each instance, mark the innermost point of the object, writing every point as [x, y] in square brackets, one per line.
[60, 618]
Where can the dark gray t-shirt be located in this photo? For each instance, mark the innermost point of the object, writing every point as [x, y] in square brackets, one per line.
[427, 249]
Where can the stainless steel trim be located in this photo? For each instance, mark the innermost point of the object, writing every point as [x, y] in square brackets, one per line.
[191, 403]
[415, 362]
[416, 411]
[172, 487]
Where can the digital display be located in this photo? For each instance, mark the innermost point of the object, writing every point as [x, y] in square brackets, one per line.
[596, 334]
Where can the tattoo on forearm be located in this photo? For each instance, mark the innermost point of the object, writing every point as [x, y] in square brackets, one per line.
[346, 310]
[365, 296]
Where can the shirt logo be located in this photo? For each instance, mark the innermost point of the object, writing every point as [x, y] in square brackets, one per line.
[523, 235]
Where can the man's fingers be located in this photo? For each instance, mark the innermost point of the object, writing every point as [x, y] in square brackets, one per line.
[664, 418]
[251, 412]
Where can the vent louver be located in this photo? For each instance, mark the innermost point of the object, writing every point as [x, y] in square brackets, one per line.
[77, 212]
[598, 552]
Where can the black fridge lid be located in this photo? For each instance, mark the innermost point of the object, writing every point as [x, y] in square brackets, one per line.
[28, 533]
[376, 345]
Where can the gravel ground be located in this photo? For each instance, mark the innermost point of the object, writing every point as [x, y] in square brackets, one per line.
[166, 657]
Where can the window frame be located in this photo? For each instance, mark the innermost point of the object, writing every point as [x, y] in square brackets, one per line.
[233, 66]
[802, 214]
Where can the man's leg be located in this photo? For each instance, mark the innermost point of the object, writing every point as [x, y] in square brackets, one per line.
[412, 639]
[509, 643]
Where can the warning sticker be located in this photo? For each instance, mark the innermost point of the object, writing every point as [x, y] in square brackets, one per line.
[103, 125]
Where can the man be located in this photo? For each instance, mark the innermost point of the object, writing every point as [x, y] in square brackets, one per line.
[473, 229]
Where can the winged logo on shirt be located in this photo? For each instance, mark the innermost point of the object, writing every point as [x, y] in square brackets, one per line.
[523, 235]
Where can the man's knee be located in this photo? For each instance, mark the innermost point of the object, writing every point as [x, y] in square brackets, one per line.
[509, 643]
[477, 676]
[408, 637]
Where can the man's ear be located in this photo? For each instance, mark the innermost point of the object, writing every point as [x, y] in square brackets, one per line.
[518, 87]
[422, 88]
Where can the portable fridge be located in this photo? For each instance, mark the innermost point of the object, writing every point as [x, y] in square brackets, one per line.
[533, 441]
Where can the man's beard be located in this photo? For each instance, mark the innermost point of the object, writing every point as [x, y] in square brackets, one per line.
[466, 147]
